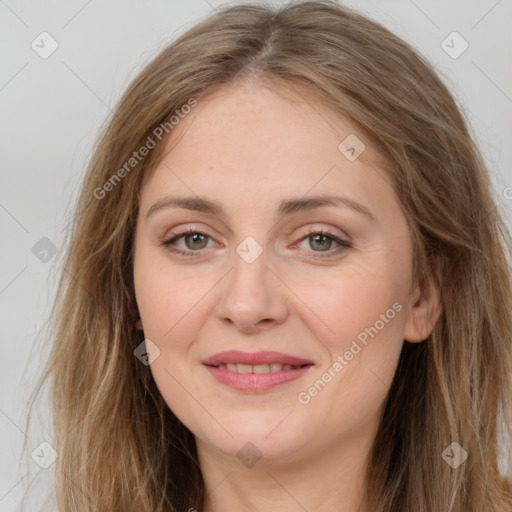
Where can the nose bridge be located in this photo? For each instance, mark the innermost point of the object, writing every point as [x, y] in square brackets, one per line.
[253, 296]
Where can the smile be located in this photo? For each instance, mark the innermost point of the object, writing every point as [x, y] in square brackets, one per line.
[256, 378]
[256, 368]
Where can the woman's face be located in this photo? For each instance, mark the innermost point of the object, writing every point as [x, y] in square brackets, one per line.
[255, 274]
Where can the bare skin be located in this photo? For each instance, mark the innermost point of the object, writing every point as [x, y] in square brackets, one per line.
[250, 148]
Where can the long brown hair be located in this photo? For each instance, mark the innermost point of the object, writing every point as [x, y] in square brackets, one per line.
[120, 446]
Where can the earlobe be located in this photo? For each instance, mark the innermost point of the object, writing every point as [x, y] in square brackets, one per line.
[425, 310]
[138, 324]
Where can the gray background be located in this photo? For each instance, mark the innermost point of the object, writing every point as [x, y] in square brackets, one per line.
[52, 110]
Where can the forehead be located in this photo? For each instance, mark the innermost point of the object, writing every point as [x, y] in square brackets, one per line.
[251, 113]
[254, 140]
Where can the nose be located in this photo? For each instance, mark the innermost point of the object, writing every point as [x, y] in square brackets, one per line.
[254, 298]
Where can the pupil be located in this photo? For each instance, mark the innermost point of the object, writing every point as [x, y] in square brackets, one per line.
[196, 237]
[316, 240]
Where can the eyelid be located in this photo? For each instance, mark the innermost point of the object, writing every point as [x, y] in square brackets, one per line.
[185, 231]
[174, 236]
[344, 242]
[307, 231]
[327, 230]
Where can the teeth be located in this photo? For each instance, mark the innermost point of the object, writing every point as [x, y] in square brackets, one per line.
[257, 368]
[260, 368]
[244, 368]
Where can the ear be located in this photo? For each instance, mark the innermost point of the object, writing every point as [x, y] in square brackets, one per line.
[138, 324]
[426, 307]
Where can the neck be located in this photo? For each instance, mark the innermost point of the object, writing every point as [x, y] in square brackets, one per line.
[332, 480]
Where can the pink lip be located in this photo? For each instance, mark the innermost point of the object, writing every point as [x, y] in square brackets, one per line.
[252, 358]
[256, 381]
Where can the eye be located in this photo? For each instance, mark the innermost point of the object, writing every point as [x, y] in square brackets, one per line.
[194, 241]
[322, 241]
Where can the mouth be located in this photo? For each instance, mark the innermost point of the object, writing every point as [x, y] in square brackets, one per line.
[257, 368]
[256, 372]
[255, 359]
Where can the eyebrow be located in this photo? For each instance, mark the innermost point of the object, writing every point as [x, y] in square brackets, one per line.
[287, 207]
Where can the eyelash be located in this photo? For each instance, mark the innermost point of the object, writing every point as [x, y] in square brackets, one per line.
[344, 244]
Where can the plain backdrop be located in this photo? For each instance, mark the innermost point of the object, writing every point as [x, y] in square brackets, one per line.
[52, 107]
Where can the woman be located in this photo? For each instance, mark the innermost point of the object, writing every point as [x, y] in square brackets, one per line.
[286, 286]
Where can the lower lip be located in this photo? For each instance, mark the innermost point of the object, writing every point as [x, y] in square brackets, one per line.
[256, 381]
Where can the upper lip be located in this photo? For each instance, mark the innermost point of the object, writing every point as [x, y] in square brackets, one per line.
[252, 358]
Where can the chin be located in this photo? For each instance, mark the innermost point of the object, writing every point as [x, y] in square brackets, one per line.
[253, 437]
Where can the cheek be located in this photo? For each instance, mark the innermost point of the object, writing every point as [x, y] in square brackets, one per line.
[359, 323]
[165, 299]
[365, 319]
[347, 302]
[174, 305]
[170, 307]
